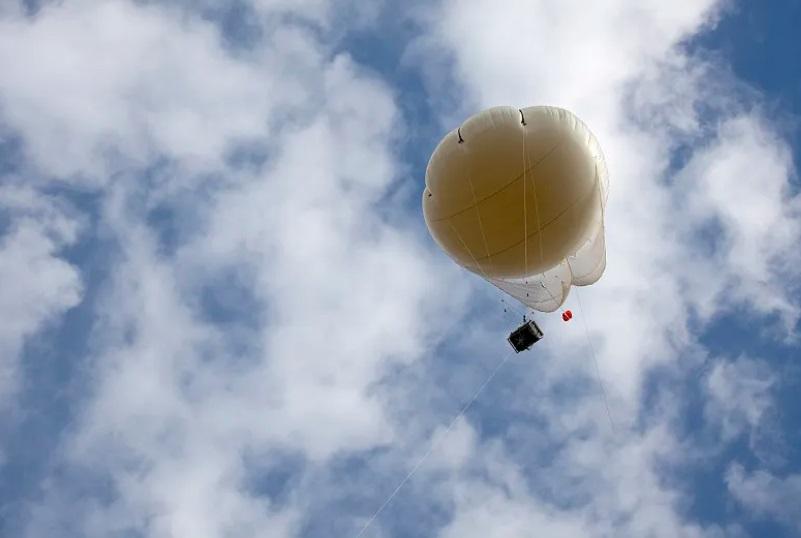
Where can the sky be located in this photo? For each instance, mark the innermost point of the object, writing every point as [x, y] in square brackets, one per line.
[223, 315]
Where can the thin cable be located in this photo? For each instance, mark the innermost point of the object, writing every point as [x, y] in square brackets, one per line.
[536, 204]
[434, 445]
[470, 252]
[478, 213]
[511, 305]
[486, 248]
[595, 360]
[525, 212]
[536, 213]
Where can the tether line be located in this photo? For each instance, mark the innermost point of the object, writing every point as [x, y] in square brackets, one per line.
[595, 361]
[433, 445]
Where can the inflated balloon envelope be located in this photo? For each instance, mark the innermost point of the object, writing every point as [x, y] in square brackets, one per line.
[517, 196]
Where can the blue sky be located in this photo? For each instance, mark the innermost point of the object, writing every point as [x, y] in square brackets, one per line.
[223, 315]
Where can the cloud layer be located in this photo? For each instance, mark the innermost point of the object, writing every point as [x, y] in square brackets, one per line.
[275, 342]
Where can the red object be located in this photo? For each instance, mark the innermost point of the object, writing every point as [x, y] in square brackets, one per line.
[567, 315]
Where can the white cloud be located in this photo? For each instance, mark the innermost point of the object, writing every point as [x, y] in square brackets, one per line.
[580, 491]
[766, 495]
[740, 183]
[486, 511]
[330, 297]
[740, 393]
[740, 403]
[339, 294]
[559, 53]
[99, 87]
[38, 286]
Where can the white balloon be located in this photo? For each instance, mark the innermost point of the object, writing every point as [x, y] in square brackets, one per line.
[517, 196]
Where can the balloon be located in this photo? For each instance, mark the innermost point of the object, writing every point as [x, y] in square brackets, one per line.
[517, 196]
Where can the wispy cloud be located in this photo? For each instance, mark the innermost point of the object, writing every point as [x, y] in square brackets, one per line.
[38, 286]
[274, 348]
[765, 495]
